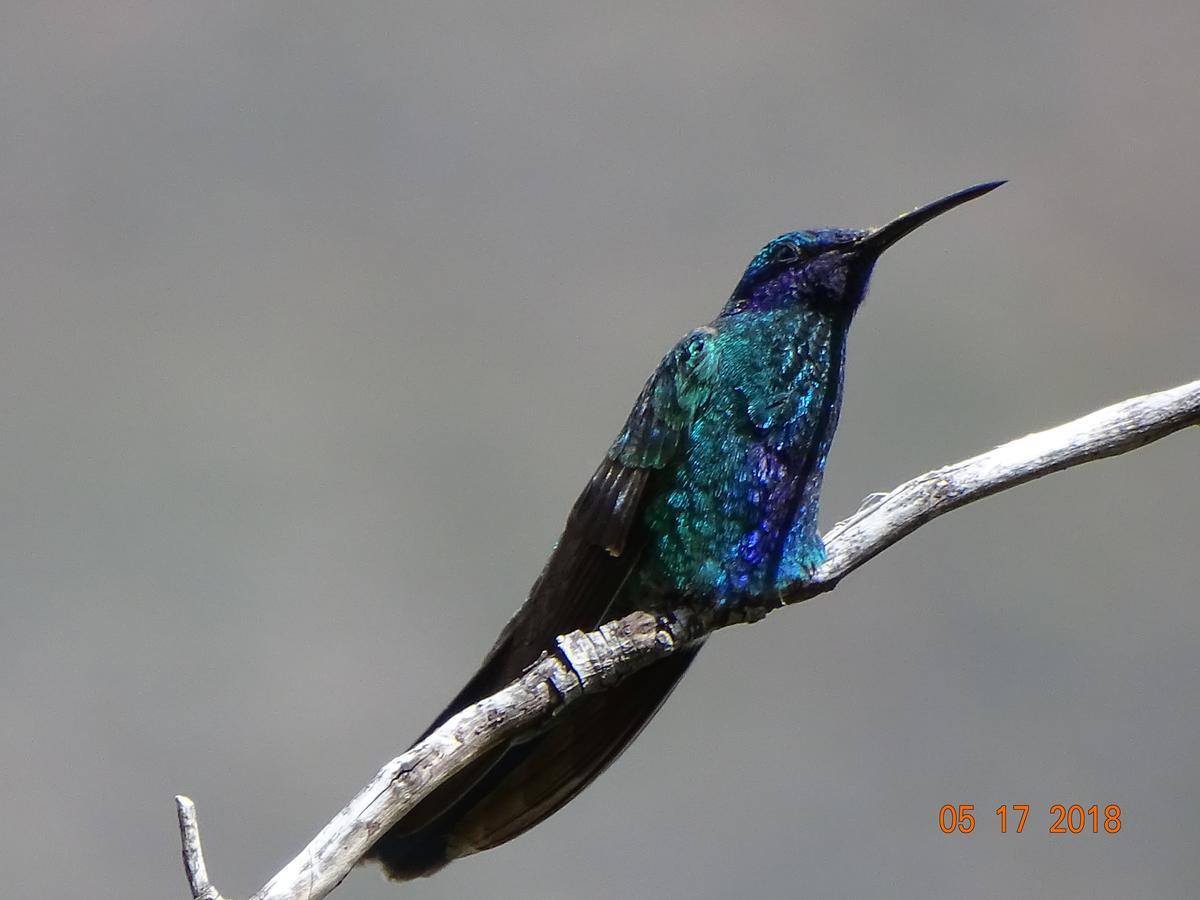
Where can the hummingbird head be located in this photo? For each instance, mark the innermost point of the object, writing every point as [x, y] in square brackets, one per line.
[828, 268]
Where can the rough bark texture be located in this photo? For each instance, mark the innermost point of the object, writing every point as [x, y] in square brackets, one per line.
[594, 661]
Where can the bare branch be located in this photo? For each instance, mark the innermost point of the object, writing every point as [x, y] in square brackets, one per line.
[193, 854]
[594, 661]
[1111, 431]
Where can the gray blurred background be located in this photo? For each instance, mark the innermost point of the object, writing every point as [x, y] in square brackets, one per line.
[316, 317]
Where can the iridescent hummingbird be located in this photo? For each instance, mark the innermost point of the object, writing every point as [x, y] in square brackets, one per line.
[707, 497]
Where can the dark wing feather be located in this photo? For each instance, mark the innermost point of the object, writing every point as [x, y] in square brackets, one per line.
[497, 798]
[538, 778]
[574, 589]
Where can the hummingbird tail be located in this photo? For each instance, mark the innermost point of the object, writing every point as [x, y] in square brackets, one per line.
[499, 798]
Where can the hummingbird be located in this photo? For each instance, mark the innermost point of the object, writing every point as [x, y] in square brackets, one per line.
[707, 498]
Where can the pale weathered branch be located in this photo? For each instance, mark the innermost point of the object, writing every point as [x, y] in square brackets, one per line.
[1111, 431]
[594, 661]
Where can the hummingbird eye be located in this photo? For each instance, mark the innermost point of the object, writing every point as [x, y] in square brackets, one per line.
[786, 252]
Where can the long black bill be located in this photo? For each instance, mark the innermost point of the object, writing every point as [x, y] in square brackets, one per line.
[881, 238]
